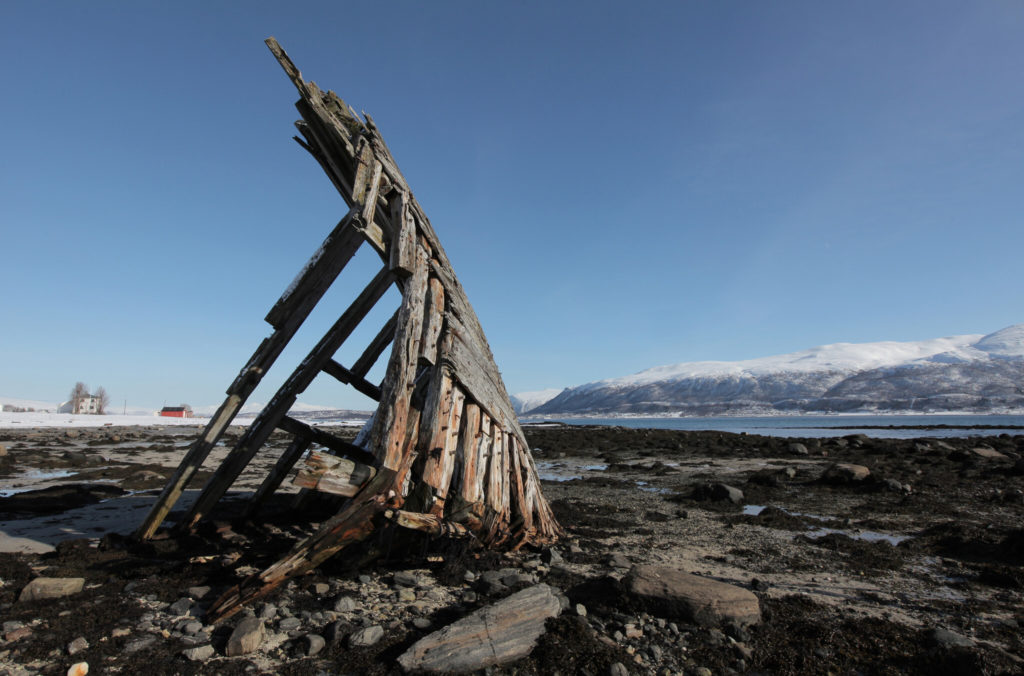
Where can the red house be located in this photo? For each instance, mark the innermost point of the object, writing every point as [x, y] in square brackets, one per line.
[183, 411]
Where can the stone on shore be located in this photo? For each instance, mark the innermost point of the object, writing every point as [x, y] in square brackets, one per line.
[500, 633]
[199, 654]
[988, 453]
[845, 473]
[51, 588]
[673, 593]
[366, 637]
[246, 637]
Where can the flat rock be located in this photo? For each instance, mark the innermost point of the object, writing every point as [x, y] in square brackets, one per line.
[246, 637]
[51, 588]
[672, 592]
[988, 453]
[503, 632]
[199, 653]
[844, 473]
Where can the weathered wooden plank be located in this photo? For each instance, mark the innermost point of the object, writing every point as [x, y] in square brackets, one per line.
[403, 245]
[497, 471]
[517, 499]
[450, 457]
[331, 474]
[370, 201]
[387, 439]
[523, 497]
[466, 362]
[434, 322]
[319, 273]
[466, 467]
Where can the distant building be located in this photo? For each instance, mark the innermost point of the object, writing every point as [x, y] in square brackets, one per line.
[183, 411]
[86, 404]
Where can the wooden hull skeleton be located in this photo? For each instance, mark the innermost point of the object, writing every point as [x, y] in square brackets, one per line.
[444, 452]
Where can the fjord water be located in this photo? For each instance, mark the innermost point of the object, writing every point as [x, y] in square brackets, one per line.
[883, 426]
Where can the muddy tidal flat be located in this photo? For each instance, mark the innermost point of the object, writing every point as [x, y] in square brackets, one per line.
[862, 556]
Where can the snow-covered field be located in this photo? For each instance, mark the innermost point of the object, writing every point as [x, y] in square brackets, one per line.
[43, 419]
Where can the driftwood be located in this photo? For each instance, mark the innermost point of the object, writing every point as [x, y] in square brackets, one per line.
[444, 453]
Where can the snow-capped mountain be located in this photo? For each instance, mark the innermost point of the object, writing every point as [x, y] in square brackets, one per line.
[527, 401]
[960, 373]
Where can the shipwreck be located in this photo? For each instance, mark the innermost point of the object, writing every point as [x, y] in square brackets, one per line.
[444, 453]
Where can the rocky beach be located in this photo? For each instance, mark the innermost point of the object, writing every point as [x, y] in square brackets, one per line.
[685, 553]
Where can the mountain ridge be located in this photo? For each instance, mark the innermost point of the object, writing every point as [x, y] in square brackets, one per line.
[966, 373]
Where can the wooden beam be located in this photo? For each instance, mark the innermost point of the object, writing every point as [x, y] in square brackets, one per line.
[319, 273]
[389, 432]
[331, 474]
[257, 433]
[346, 377]
[434, 322]
[403, 246]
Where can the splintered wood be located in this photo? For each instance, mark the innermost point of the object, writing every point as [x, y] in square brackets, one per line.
[444, 453]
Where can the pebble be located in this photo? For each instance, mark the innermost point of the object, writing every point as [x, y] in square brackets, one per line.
[77, 646]
[314, 644]
[618, 669]
[366, 637]
[345, 604]
[289, 624]
[199, 654]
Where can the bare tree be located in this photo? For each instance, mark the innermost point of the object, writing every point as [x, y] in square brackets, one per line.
[79, 392]
[103, 400]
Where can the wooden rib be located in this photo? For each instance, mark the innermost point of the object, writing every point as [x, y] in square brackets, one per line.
[434, 323]
[524, 505]
[466, 456]
[404, 244]
[448, 452]
[320, 271]
[370, 203]
[388, 436]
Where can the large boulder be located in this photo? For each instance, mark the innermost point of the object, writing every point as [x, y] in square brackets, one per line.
[845, 473]
[503, 632]
[51, 588]
[670, 592]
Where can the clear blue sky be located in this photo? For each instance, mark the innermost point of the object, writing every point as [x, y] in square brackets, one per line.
[618, 185]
